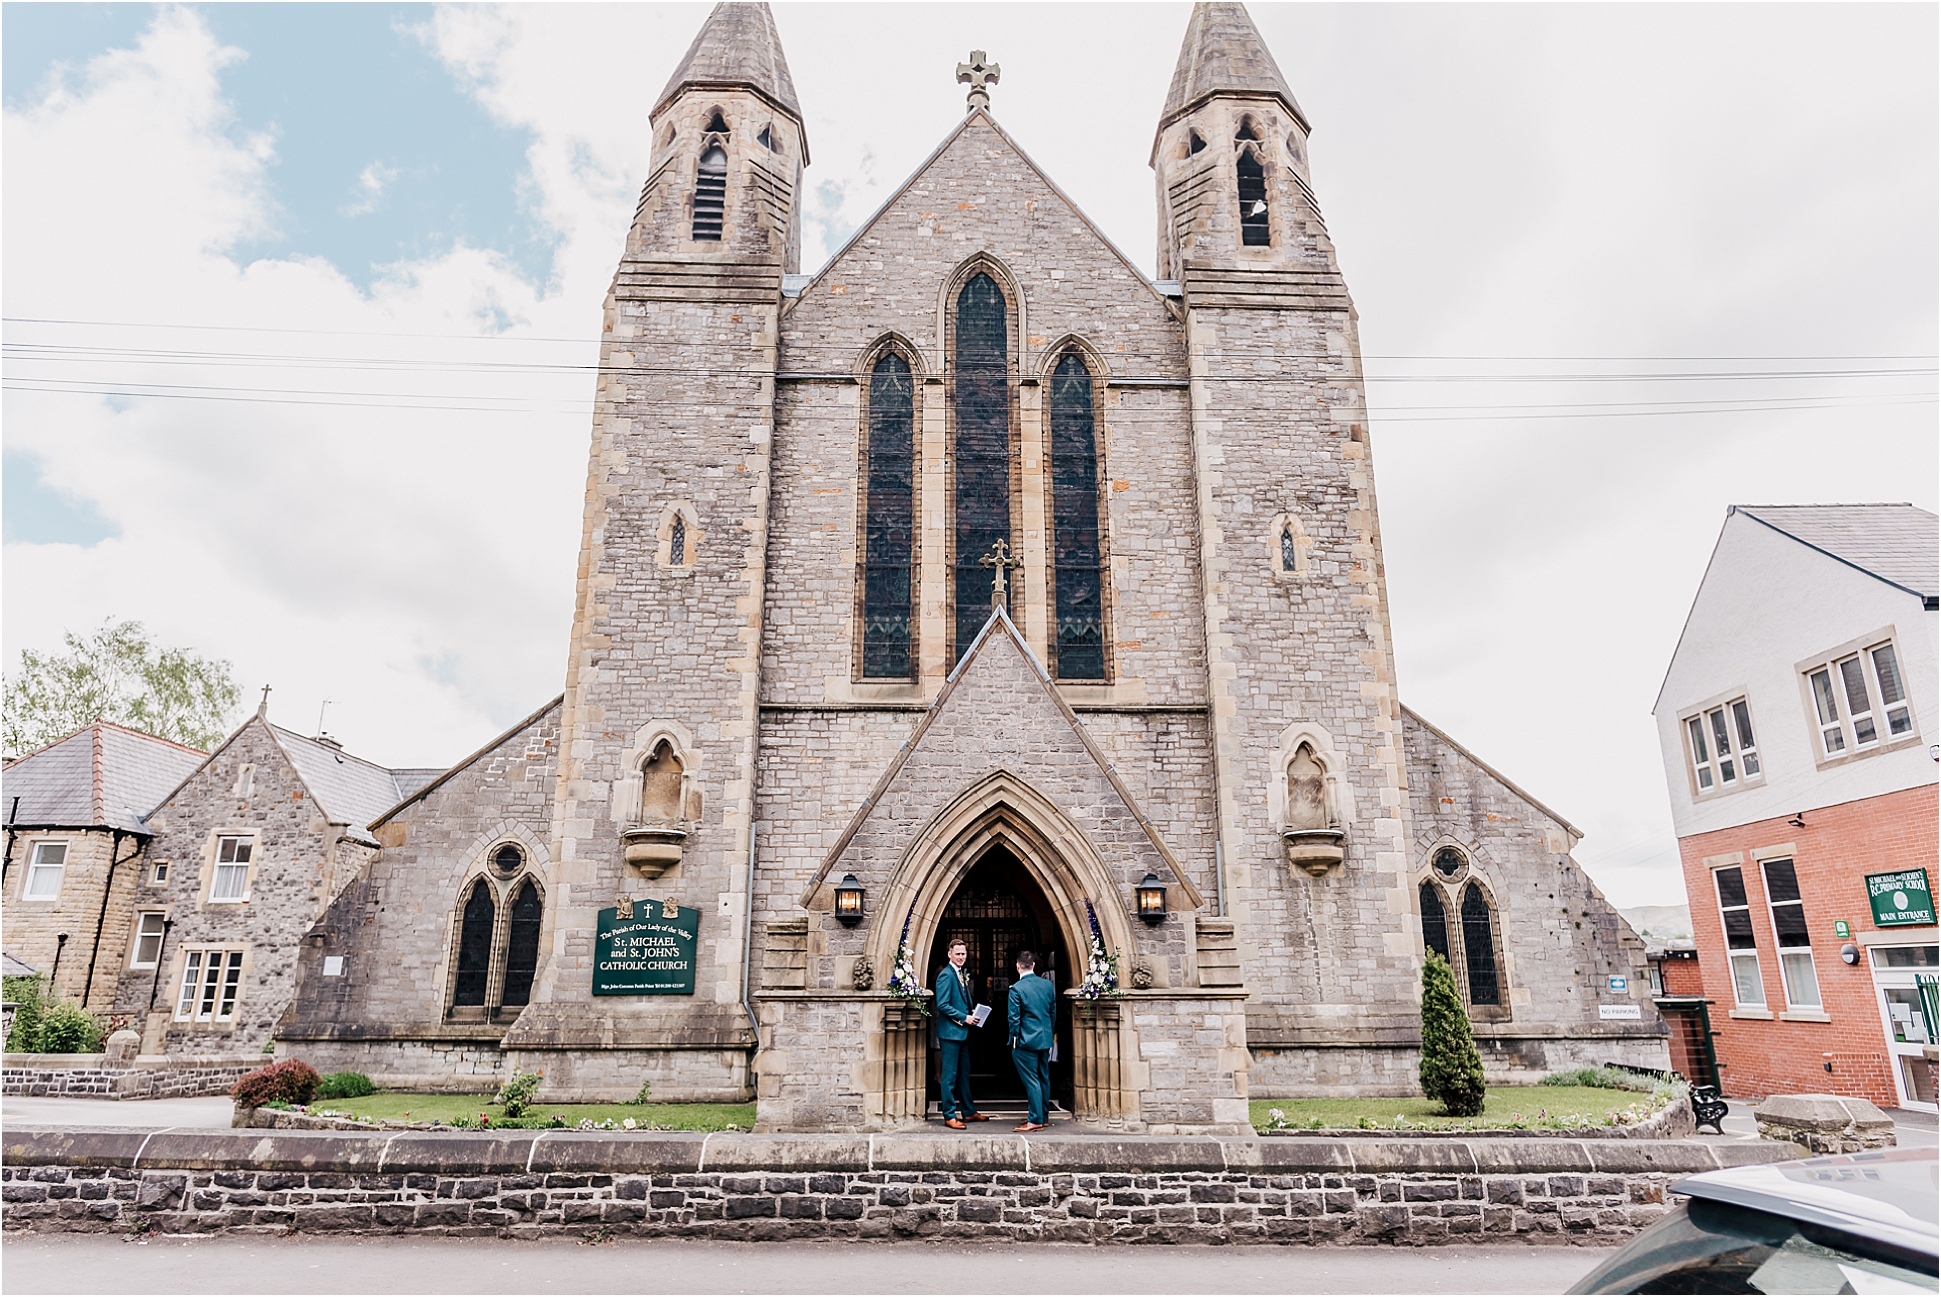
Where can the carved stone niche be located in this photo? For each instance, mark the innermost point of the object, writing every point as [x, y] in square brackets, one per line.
[654, 841]
[1313, 835]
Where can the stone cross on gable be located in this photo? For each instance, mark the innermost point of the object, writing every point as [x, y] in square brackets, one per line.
[998, 560]
[978, 73]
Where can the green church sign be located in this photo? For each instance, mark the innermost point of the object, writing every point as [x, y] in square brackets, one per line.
[646, 948]
[1901, 898]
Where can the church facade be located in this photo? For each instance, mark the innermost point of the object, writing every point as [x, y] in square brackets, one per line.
[979, 586]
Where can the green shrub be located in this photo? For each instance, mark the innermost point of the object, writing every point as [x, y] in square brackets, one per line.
[69, 1029]
[30, 996]
[1452, 1071]
[345, 1085]
[641, 1096]
[515, 1096]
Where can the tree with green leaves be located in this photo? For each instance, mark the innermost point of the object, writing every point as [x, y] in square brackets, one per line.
[1452, 1071]
[118, 674]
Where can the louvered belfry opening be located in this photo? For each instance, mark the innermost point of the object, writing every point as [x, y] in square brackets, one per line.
[1435, 921]
[1254, 230]
[887, 542]
[474, 947]
[981, 402]
[1479, 947]
[522, 946]
[710, 193]
[1079, 645]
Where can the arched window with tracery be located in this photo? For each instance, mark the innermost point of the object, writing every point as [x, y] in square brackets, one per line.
[1254, 230]
[474, 946]
[981, 459]
[890, 501]
[1077, 579]
[1479, 947]
[522, 945]
[1435, 920]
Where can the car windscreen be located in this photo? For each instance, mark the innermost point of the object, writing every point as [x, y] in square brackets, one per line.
[1713, 1247]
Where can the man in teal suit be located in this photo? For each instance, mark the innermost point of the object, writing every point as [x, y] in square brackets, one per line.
[953, 1001]
[1032, 1006]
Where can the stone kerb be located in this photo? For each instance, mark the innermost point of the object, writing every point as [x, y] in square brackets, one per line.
[756, 1187]
[1825, 1123]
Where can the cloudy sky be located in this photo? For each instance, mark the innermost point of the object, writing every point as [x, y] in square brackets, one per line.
[300, 301]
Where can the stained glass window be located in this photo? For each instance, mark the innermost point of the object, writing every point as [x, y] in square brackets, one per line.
[1075, 524]
[522, 946]
[1435, 921]
[1479, 947]
[1289, 562]
[982, 452]
[677, 542]
[887, 544]
[710, 193]
[474, 946]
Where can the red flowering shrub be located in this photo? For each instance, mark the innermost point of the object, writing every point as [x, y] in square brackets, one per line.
[291, 1081]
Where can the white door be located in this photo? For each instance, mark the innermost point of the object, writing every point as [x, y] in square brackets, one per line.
[1899, 972]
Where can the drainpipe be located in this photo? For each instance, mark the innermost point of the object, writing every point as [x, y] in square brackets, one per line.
[1219, 880]
[6, 862]
[101, 920]
[748, 943]
[160, 951]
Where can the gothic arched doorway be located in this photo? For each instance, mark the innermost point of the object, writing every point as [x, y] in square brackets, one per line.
[996, 911]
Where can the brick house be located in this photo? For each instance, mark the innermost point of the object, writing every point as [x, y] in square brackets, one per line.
[1001, 589]
[1797, 723]
[76, 854]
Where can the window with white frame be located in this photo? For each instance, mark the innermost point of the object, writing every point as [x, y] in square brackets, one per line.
[148, 939]
[1741, 947]
[232, 869]
[44, 871]
[1721, 747]
[159, 874]
[212, 980]
[1860, 701]
[1791, 935]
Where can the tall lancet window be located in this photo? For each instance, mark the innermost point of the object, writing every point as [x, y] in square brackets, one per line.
[1479, 947]
[1435, 920]
[474, 946]
[710, 193]
[1254, 231]
[981, 461]
[891, 504]
[522, 945]
[1076, 580]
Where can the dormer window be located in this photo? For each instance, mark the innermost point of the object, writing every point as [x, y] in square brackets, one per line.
[710, 192]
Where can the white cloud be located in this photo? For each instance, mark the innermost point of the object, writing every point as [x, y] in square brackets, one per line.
[369, 190]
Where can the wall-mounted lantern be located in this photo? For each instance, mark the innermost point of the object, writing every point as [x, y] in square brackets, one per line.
[849, 901]
[1152, 899]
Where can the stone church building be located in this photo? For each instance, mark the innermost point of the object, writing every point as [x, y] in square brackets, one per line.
[973, 586]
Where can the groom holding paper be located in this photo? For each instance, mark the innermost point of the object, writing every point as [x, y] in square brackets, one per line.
[955, 1018]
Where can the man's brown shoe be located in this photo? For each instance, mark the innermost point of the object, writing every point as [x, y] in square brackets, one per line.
[954, 1124]
[978, 1116]
[1024, 1126]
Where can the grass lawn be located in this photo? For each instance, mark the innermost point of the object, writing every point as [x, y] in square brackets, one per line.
[444, 1107]
[1591, 1107]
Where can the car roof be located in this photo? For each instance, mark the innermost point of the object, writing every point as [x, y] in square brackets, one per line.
[1893, 1195]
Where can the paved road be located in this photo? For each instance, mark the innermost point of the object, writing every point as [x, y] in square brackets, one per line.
[91, 1263]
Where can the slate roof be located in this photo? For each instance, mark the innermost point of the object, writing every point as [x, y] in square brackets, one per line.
[349, 789]
[1224, 54]
[737, 46]
[13, 967]
[1897, 543]
[104, 775]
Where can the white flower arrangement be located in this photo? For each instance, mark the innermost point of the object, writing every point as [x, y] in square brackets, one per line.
[1101, 967]
[905, 985]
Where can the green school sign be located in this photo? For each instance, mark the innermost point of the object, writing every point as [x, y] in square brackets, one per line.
[1901, 898]
[646, 948]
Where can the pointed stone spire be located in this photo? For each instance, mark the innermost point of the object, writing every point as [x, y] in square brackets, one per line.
[1224, 54]
[737, 47]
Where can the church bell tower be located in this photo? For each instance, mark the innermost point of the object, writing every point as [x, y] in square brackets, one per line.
[657, 760]
[1312, 796]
